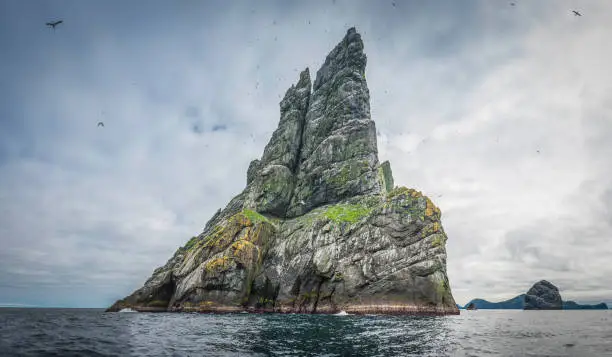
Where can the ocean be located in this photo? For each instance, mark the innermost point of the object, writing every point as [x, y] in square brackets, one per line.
[92, 332]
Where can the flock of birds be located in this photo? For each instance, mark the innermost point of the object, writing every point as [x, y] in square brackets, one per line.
[53, 24]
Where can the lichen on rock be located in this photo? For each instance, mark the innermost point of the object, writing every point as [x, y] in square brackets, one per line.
[319, 227]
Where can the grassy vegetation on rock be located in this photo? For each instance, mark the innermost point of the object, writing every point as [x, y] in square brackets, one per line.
[401, 190]
[254, 216]
[190, 243]
[437, 241]
[351, 213]
[158, 303]
[218, 264]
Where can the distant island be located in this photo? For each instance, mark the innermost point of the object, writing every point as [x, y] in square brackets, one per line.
[320, 226]
[516, 303]
[571, 305]
[519, 302]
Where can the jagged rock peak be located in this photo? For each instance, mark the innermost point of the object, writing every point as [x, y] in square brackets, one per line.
[297, 95]
[272, 179]
[304, 79]
[348, 53]
[324, 149]
[339, 154]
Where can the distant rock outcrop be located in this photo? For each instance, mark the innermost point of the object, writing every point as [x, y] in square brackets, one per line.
[319, 227]
[571, 305]
[516, 303]
[543, 296]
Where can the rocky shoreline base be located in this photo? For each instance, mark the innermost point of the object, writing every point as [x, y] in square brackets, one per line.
[397, 310]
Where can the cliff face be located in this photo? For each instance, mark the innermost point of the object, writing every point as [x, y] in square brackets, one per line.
[319, 227]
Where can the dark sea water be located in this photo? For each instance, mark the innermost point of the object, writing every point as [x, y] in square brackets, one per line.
[76, 332]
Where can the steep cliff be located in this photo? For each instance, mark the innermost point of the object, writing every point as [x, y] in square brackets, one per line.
[319, 227]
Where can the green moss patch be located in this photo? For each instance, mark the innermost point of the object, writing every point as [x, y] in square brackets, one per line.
[442, 287]
[397, 191]
[417, 199]
[158, 303]
[351, 213]
[438, 241]
[385, 176]
[218, 264]
[218, 238]
[254, 216]
[191, 243]
[350, 171]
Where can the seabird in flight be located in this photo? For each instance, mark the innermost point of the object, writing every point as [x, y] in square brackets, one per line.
[54, 23]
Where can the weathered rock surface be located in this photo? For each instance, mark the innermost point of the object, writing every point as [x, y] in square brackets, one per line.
[543, 296]
[320, 227]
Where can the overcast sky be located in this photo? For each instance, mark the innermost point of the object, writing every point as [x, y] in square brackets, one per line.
[501, 114]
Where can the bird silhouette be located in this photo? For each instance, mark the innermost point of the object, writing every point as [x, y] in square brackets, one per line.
[100, 124]
[55, 23]
[576, 13]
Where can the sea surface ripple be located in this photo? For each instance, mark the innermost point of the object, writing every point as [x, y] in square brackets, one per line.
[92, 332]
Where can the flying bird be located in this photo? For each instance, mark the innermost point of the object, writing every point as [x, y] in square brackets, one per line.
[55, 23]
[302, 202]
[100, 124]
[576, 13]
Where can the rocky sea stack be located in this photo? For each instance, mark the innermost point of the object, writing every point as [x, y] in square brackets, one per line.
[320, 227]
[543, 295]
